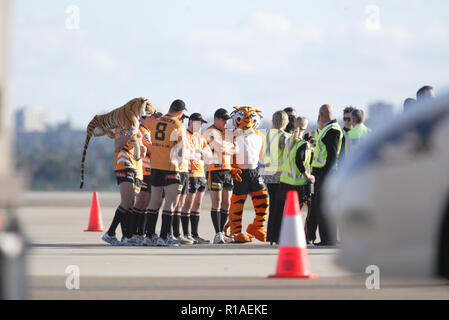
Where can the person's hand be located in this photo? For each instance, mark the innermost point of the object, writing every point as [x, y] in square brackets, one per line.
[235, 172]
[135, 131]
[143, 152]
[311, 178]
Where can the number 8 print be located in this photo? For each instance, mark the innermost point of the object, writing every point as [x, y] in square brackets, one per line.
[160, 131]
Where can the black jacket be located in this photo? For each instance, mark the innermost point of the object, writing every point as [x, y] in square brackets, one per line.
[331, 140]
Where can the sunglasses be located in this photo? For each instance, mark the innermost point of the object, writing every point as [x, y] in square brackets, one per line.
[347, 119]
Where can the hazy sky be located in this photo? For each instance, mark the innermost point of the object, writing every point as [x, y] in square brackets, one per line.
[268, 54]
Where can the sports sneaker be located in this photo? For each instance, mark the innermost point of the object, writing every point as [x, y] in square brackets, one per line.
[154, 238]
[113, 241]
[199, 240]
[140, 240]
[167, 242]
[172, 241]
[160, 242]
[127, 242]
[185, 240]
[136, 240]
[227, 239]
[150, 241]
[191, 239]
[218, 239]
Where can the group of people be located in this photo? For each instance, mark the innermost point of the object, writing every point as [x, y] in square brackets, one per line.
[179, 163]
[172, 166]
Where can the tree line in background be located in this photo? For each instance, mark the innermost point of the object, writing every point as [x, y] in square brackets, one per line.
[51, 160]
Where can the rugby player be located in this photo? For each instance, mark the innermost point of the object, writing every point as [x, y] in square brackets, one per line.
[168, 137]
[219, 172]
[125, 168]
[190, 213]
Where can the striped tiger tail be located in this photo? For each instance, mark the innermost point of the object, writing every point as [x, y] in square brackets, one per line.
[90, 132]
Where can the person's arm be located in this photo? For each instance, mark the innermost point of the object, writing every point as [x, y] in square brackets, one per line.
[147, 142]
[299, 160]
[182, 142]
[120, 141]
[206, 151]
[331, 140]
[262, 149]
[218, 144]
[343, 146]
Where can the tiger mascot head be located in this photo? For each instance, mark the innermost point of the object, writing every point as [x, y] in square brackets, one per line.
[246, 118]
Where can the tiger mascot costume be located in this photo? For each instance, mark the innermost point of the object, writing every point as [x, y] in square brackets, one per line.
[249, 142]
[127, 117]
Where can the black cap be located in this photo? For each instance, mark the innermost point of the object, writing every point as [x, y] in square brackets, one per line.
[197, 117]
[178, 105]
[222, 114]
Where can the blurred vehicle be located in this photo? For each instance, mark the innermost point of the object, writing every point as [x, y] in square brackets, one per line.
[391, 199]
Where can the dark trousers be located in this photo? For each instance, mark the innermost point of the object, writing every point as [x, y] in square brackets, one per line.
[272, 220]
[311, 221]
[278, 213]
[327, 228]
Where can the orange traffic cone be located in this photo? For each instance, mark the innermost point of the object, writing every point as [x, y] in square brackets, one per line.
[293, 261]
[95, 221]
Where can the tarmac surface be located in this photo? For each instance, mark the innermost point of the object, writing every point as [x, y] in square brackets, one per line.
[55, 222]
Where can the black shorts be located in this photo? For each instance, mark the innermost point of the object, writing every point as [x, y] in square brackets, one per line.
[197, 184]
[162, 178]
[146, 184]
[127, 175]
[184, 182]
[252, 181]
[219, 180]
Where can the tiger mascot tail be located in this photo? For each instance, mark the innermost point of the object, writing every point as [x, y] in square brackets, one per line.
[126, 117]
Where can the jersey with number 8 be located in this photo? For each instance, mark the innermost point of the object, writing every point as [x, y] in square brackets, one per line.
[168, 133]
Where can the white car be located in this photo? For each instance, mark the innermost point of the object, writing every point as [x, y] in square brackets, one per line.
[391, 198]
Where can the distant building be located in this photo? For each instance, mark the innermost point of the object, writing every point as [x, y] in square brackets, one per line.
[30, 119]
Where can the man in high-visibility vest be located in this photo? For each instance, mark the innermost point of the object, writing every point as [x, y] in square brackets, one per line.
[327, 150]
[291, 113]
[346, 128]
[272, 161]
[357, 133]
[295, 172]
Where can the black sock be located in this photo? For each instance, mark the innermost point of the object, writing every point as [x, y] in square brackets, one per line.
[224, 215]
[115, 222]
[216, 220]
[167, 218]
[195, 221]
[141, 223]
[134, 221]
[152, 217]
[175, 224]
[185, 219]
[124, 223]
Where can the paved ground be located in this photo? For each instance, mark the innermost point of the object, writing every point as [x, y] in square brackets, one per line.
[202, 272]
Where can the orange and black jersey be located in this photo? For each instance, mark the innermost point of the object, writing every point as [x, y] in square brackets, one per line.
[146, 141]
[221, 156]
[124, 159]
[168, 141]
[197, 144]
